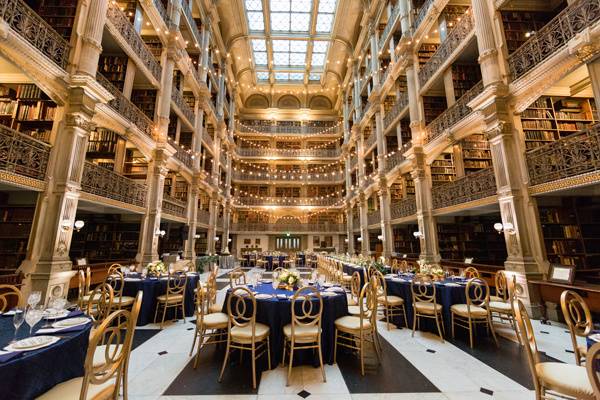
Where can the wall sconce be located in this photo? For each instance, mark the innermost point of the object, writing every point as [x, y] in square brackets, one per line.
[217, 238]
[418, 235]
[360, 239]
[380, 237]
[66, 225]
[507, 227]
[160, 232]
[229, 240]
[196, 236]
[346, 240]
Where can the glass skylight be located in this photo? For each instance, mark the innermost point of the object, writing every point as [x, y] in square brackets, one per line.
[262, 75]
[290, 15]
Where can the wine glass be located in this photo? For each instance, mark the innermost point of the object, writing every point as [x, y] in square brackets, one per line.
[34, 298]
[32, 317]
[18, 318]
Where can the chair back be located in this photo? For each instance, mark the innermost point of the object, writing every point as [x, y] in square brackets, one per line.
[100, 303]
[592, 365]
[116, 279]
[395, 267]
[201, 302]
[307, 308]
[577, 314]
[528, 339]
[370, 271]
[184, 265]
[355, 286]
[237, 277]
[277, 270]
[423, 289]
[471, 272]
[367, 303]
[378, 284]
[477, 292]
[10, 296]
[501, 285]
[241, 308]
[84, 279]
[404, 265]
[176, 283]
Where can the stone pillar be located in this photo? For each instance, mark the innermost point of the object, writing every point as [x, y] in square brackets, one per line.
[350, 228]
[593, 68]
[484, 30]
[226, 224]
[91, 44]
[356, 98]
[192, 207]
[364, 224]
[404, 17]
[386, 218]
[374, 53]
[449, 87]
[204, 53]
[380, 132]
[213, 209]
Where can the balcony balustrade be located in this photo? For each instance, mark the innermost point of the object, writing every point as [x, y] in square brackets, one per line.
[289, 201]
[475, 186]
[393, 160]
[374, 217]
[403, 208]
[185, 109]
[355, 223]
[370, 141]
[453, 114]
[273, 176]
[353, 162]
[443, 54]
[207, 138]
[187, 11]
[390, 23]
[553, 36]
[268, 128]
[162, 11]
[183, 155]
[203, 216]
[287, 227]
[121, 23]
[283, 153]
[570, 156]
[420, 15]
[174, 207]
[31, 27]
[105, 183]
[126, 108]
[394, 112]
[23, 155]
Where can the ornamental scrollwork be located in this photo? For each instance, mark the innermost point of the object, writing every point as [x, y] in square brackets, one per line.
[103, 182]
[23, 155]
[475, 186]
[403, 208]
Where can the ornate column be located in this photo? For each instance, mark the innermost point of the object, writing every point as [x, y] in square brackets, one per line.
[204, 53]
[380, 132]
[360, 148]
[593, 68]
[364, 224]
[386, 219]
[374, 53]
[86, 61]
[192, 207]
[213, 209]
[226, 223]
[350, 228]
[404, 17]
[484, 30]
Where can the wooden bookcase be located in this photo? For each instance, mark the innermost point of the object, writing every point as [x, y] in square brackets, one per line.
[405, 242]
[102, 146]
[476, 153]
[410, 184]
[113, 68]
[426, 51]
[433, 106]
[60, 14]
[15, 227]
[145, 100]
[33, 112]
[442, 169]
[136, 166]
[518, 23]
[201, 243]
[464, 77]
[154, 44]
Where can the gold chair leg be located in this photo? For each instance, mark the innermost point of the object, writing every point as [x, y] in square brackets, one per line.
[321, 360]
[156, 312]
[335, 341]
[387, 316]
[287, 383]
[493, 331]
[437, 322]
[452, 324]
[183, 310]
[470, 333]
[404, 313]
[162, 323]
[224, 361]
[194, 341]
[362, 355]
[284, 350]
[201, 334]
[268, 353]
[414, 323]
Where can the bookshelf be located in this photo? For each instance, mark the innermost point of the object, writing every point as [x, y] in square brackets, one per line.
[102, 146]
[15, 227]
[145, 100]
[550, 118]
[442, 169]
[476, 153]
[173, 241]
[154, 44]
[396, 191]
[404, 240]
[136, 166]
[426, 51]
[113, 68]
[517, 23]
[464, 77]
[433, 106]
[33, 112]
[8, 105]
[201, 243]
[60, 14]
[410, 184]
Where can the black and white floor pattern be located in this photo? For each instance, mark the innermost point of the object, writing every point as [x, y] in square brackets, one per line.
[419, 367]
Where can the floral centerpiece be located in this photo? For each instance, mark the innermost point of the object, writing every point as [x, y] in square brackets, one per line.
[156, 268]
[434, 271]
[288, 278]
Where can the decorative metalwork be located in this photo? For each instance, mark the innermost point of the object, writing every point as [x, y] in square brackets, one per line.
[31, 27]
[267, 127]
[185, 109]
[400, 104]
[570, 156]
[455, 38]
[353, 162]
[475, 186]
[162, 11]
[370, 140]
[391, 22]
[203, 216]
[367, 181]
[173, 206]
[183, 155]
[553, 36]
[453, 114]
[355, 223]
[121, 23]
[373, 217]
[420, 15]
[304, 178]
[393, 160]
[403, 208]
[289, 201]
[292, 228]
[23, 155]
[207, 138]
[268, 152]
[103, 182]
[126, 108]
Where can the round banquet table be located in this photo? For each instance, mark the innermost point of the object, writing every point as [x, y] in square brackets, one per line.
[154, 287]
[33, 373]
[276, 313]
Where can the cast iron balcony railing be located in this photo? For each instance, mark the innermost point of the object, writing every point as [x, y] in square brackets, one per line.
[174, 207]
[393, 160]
[374, 217]
[185, 109]
[162, 11]
[390, 23]
[570, 156]
[283, 153]
[420, 15]
[443, 54]
[370, 140]
[553, 36]
[289, 201]
[203, 216]
[355, 223]
[268, 128]
[183, 155]
[126, 108]
[31, 27]
[453, 114]
[274, 176]
[121, 23]
[207, 138]
[399, 105]
[367, 181]
[353, 162]
[187, 11]
[23, 155]
[475, 186]
[287, 227]
[403, 208]
[105, 183]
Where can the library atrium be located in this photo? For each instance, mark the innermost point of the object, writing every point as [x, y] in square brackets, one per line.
[299, 199]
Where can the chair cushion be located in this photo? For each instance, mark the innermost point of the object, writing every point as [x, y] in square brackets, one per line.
[462, 310]
[347, 278]
[354, 310]
[174, 298]
[215, 308]
[302, 333]
[244, 334]
[497, 298]
[568, 379]
[217, 320]
[425, 307]
[500, 306]
[351, 323]
[71, 389]
[351, 300]
[123, 300]
[99, 355]
[582, 351]
[390, 300]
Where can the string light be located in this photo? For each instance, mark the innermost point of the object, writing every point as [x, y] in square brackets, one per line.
[325, 131]
[252, 143]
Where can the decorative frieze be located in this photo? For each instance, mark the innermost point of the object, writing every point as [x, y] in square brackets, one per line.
[286, 227]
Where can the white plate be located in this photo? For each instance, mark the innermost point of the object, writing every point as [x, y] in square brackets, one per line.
[67, 323]
[32, 343]
[9, 313]
[452, 284]
[53, 314]
[263, 296]
[595, 337]
[328, 294]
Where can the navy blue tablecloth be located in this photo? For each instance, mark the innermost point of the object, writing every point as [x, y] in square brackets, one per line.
[300, 260]
[35, 372]
[269, 259]
[276, 313]
[154, 287]
[350, 269]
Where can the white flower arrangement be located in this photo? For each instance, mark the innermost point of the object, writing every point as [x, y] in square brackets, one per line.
[290, 278]
[156, 268]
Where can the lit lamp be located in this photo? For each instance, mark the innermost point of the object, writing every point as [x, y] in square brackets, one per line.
[418, 235]
[507, 227]
[380, 237]
[160, 232]
[360, 239]
[216, 238]
[346, 240]
[196, 236]
[66, 225]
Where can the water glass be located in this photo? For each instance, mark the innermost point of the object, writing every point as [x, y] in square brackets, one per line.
[18, 319]
[33, 316]
[34, 298]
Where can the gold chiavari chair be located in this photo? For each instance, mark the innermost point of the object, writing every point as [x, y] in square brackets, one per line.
[501, 287]
[304, 332]
[354, 289]
[471, 272]
[551, 378]
[244, 333]
[593, 357]
[237, 277]
[211, 294]
[10, 296]
[346, 279]
[116, 279]
[425, 303]
[476, 311]
[277, 271]
[579, 320]
[353, 329]
[505, 309]
[104, 370]
[395, 267]
[84, 279]
[211, 328]
[393, 306]
[174, 298]
[261, 262]
[100, 303]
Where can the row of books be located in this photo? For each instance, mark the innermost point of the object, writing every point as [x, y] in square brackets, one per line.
[44, 112]
[537, 124]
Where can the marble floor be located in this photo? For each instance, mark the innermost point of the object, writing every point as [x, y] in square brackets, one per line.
[419, 367]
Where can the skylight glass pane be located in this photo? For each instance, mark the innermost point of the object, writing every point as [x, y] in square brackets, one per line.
[259, 45]
[281, 58]
[300, 22]
[326, 6]
[253, 5]
[282, 76]
[260, 58]
[301, 5]
[296, 76]
[324, 23]
[256, 21]
[314, 77]
[320, 46]
[281, 45]
[262, 76]
[280, 22]
[297, 58]
[318, 59]
[298, 46]
[280, 5]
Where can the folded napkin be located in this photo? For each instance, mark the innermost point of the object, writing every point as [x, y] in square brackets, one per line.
[8, 313]
[6, 356]
[132, 279]
[75, 328]
[74, 313]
